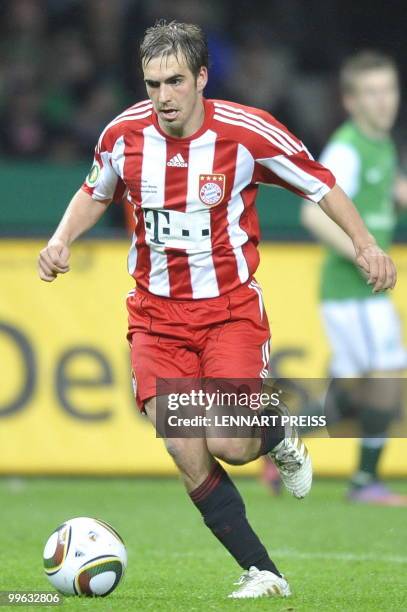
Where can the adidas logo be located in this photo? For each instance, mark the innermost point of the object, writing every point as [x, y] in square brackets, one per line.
[177, 161]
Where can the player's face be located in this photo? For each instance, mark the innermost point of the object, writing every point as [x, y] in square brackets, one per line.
[176, 94]
[375, 99]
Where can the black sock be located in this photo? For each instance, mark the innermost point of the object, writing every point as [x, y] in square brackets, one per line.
[368, 462]
[369, 458]
[374, 425]
[271, 435]
[223, 511]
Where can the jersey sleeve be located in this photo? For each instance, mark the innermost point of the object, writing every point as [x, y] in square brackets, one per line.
[282, 159]
[104, 181]
[343, 160]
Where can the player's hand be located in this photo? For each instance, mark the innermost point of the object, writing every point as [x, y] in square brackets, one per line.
[377, 266]
[53, 260]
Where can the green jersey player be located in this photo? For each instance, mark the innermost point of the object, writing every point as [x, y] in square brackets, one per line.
[363, 327]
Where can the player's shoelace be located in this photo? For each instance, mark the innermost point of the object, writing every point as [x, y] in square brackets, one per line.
[288, 458]
[243, 579]
[248, 580]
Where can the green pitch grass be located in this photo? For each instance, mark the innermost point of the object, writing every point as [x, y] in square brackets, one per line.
[336, 556]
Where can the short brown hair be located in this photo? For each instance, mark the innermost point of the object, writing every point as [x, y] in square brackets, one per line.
[363, 61]
[176, 38]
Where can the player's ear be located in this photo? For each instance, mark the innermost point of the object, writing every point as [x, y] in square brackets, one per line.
[202, 79]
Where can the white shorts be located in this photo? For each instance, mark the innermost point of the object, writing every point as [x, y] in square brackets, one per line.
[365, 336]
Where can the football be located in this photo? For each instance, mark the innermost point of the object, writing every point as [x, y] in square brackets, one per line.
[85, 556]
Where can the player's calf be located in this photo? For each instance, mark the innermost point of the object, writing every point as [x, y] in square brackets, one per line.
[224, 512]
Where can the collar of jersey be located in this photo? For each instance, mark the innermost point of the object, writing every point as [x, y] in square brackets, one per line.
[209, 110]
[378, 142]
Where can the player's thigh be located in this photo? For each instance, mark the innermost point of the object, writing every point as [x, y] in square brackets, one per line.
[346, 328]
[388, 351]
[155, 359]
[158, 350]
[365, 336]
[240, 348]
[383, 390]
[237, 358]
[366, 339]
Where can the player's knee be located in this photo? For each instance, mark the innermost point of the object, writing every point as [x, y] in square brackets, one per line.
[176, 448]
[191, 459]
[235, 451]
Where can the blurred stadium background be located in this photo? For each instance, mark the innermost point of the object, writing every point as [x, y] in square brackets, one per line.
[66, 404]
[66, 68]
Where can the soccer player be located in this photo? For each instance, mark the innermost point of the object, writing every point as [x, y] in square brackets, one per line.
[363, 329]
[191, 169]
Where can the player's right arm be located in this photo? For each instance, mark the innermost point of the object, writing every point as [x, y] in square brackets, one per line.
[102, 186]
[82, 214]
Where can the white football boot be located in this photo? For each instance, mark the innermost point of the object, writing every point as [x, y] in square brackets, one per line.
[260, 583]
[292, 460]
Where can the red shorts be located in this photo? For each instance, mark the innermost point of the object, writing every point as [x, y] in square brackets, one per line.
[222, 337]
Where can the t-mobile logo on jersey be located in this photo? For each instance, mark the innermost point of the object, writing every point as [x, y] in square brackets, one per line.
[153, 224]
[178, 230]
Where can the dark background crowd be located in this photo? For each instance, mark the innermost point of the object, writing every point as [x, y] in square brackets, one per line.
[67, 67]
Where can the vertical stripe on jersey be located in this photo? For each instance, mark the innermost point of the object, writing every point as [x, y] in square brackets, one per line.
[248, 226]
[142, 268]
[118, 166]
[138, 260]
[176, 179]
[223, 256]
[201, 159]
[176, 187]
[236, 207]
[153, 173]
[118, 156]
[132, 256]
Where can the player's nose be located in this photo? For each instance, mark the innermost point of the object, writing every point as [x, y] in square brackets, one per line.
[164, 94]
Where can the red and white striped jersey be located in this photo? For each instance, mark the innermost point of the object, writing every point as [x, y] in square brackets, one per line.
[197, 229]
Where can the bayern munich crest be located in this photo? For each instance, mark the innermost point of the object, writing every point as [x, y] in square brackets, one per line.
[211, 188]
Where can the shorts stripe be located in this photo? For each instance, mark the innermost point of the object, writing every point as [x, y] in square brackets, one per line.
[253, 285]
[265, 351]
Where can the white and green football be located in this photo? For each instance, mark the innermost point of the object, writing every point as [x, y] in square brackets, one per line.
[85, 556]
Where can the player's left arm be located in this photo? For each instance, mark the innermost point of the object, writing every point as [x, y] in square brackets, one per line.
[282, 159]
[377, 265]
